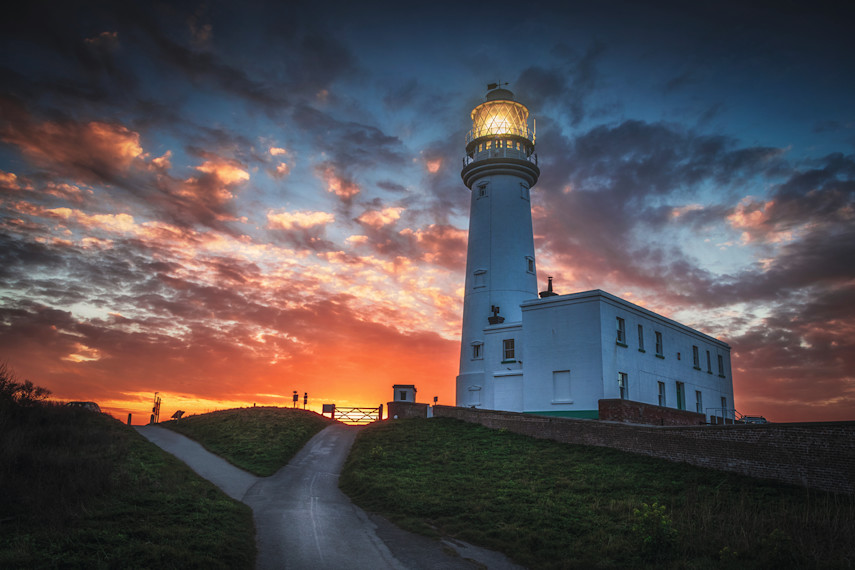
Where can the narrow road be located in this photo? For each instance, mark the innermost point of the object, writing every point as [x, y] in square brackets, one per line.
[303, 520]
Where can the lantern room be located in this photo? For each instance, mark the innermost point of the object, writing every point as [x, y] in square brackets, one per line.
[499, 129]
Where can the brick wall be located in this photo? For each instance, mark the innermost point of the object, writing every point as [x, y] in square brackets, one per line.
[405, 410]
[631, 412]
[819, 455]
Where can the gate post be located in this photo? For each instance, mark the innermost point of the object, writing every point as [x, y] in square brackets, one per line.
[380, 412]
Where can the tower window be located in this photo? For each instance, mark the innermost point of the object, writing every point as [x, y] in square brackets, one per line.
[482, 190]
[696, 359]
[640, 338]
[477, 351]
[480, 278]
[720, 365]
[529, 264]
[508, 351]
[621, 331]
[623, 385]
[524, 191]
[709, 363]
[659, 347]
[489, 145]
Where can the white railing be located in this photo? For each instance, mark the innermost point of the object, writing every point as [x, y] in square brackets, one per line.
[499, 153]
[491, 132]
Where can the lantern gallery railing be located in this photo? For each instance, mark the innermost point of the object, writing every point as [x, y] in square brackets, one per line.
[499, 131]
[498, 153]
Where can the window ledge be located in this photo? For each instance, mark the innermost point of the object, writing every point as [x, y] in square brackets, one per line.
[696, 367]
[709, 371]
[722, 376]
[619, 343]
[660, 356]
[561, 402]
[508, 361]
[641, 350]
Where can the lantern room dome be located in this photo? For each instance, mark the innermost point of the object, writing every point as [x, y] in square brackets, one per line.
[500, 94]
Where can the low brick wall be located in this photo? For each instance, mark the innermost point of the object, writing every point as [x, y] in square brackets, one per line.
[631, 412]
[404, 410]
[818, 455]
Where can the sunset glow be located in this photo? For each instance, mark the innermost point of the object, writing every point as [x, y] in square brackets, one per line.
[225, 203]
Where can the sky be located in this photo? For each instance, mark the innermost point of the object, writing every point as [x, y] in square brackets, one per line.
[226, 202]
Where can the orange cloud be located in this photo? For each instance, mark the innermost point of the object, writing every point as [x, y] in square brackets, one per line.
[276, 151]
[295, 220]
[78, 146]
[380, 218]
[336, 184]
[228, 171]
[433, 165]
[162, 163]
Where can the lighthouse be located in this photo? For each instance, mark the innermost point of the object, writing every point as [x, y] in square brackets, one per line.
[587, 354]
[499, 169]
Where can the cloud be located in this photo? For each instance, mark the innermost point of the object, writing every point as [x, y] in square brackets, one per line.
[294, 220]
[88, 152]
[342, 186]
[379, 218]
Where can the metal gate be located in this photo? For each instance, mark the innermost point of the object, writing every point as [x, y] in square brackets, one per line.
[354, 416]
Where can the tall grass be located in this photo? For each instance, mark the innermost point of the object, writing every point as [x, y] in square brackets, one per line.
[258, 439]
[80, 489]
[553, 505]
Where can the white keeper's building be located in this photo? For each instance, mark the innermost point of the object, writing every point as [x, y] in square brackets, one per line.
[559, 354]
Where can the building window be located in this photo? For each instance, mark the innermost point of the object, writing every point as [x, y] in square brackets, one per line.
[623, 384]
[699, 403]
[640, 338]
[489, 145]
[508, 349]
[529, 264]
[659, 347]
[621, 331]
[681, 396]
[561, 387]
[480, 278]
[723, 407]
[661, 393]
[482, 190]
[696, 359]
[403, 396]
[477, 351]
[709, 363]
[721, 366]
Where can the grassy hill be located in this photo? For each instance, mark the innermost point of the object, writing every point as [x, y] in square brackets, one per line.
[553, 505]
[79, 489]
[258, 439]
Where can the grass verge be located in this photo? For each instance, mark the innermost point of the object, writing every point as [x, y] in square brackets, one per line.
[258, 439]
[81, 490]
[553, 505]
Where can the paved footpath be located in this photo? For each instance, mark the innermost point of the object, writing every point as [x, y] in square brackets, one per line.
[303, 520]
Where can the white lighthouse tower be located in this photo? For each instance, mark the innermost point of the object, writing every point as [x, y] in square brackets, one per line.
[500, 168]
